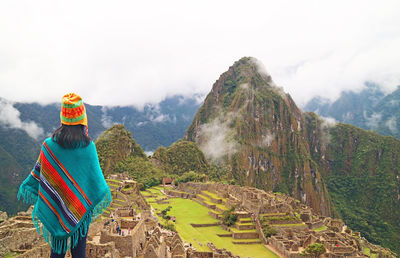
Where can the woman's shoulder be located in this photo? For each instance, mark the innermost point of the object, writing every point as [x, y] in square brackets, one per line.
[48, 141]
[52, 143]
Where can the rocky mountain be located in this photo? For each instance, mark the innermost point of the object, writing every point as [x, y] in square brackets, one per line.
[119, 153]
[370, 109]
[251, 125]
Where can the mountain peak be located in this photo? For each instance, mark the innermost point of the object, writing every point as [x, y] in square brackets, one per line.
[249, 67]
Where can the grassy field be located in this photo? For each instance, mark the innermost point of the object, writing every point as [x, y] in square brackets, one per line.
[187, 211]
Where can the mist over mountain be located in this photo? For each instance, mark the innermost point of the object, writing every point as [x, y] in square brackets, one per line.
[371, 109]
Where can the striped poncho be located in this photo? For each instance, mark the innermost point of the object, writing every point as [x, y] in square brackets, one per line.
[68, 189]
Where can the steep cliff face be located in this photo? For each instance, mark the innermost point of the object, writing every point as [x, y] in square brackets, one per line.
[361, 171]
[246, 121]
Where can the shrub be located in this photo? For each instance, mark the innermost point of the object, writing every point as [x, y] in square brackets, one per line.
[315, 250]
[170, 226]
[228, 217]
[269, 231]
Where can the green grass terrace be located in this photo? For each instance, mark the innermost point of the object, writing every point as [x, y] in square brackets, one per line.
[187, 212]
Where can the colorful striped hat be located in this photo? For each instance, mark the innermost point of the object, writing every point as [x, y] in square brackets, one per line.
[73, 111]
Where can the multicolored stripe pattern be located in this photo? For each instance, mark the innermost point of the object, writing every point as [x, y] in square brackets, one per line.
[35, 173]
[73, 110]
[59, 191]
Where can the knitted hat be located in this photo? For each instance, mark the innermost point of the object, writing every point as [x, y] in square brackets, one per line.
[73, 111]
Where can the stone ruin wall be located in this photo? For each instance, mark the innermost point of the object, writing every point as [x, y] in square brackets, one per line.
[128, 223]
[122, 243]
[139, 237]
[41, 251]
[101, 250]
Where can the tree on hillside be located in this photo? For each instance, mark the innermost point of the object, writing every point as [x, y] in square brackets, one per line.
[267, 229]
[228, 217]
[315, 250]
[166, 217]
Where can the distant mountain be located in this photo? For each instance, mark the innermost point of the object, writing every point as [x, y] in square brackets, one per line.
[370, 109]
[155, 125]
[23, 127]
[253, 127]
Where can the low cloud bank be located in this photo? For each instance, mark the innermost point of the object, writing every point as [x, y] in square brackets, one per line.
[10, 117]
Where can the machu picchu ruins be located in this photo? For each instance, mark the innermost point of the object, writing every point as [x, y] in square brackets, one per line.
[132, 227]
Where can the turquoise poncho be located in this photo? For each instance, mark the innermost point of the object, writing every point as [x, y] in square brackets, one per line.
[68, 190]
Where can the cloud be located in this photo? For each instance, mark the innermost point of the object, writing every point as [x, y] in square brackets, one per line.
[373, 120]
[392, 124]
[160, 118]
[141, 123]
[106, 120]
[329, 121]
[217, 139]
[149, 153]
[263, 71]
[267, 140]
[10, 117]
[130, 53]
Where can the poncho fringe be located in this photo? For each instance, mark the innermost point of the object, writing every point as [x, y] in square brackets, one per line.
[62, 245]
[28, 196]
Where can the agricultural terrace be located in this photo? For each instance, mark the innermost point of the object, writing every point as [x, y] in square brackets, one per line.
[187, 212]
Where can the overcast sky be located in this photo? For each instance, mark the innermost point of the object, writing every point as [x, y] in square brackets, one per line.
[135, 52]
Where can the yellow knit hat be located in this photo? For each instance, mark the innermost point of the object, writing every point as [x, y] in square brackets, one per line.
[73, 111]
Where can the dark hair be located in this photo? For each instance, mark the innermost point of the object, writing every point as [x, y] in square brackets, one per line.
[71, 136]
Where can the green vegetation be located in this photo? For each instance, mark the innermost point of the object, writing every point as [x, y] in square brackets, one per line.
[315, 250]
[10, 255]
[228, 217]
[268, 230]
[363, 181]
[279, 218]
[367, 251]
[115, 145]
[191, 176]
[18, 154]
[321, 228]
[180, 157]
[141, 170]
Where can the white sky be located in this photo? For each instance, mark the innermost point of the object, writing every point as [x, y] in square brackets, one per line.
[134, 52]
